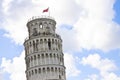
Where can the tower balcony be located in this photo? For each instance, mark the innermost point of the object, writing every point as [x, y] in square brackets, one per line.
[44, 35]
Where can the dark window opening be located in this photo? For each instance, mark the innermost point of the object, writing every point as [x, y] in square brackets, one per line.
[49, 44]
[35, 32]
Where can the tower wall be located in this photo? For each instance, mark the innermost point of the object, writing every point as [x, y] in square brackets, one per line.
[43, 51]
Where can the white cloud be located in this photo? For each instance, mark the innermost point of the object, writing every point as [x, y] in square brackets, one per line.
[1, 78]
[95, 28]
[110, 76]
[91, 21]
[70, 63]
[96, 61]
[15, 67]
[92, 77]
[6, 5]
[105, 66]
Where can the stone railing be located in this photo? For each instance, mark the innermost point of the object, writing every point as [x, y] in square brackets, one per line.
[42, 34]
[42, 16]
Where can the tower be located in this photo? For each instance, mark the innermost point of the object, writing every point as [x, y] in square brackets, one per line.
[43, 50]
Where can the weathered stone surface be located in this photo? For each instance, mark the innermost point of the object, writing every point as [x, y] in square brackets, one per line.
[43, 51]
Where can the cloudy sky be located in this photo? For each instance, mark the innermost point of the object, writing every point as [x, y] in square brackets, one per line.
[90, 30]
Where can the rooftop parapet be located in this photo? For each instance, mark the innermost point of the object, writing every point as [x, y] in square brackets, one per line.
[42, 16]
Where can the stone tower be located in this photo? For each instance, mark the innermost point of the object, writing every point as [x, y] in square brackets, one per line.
[43, 50]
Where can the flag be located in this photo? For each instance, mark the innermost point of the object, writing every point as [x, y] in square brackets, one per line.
[45, 10]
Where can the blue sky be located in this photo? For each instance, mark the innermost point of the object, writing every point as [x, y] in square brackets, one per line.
[90, 31]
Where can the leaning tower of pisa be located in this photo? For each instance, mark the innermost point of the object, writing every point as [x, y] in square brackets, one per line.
[43, 50]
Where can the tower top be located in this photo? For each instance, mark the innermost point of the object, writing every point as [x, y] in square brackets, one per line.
[42, 16]
[43, 25]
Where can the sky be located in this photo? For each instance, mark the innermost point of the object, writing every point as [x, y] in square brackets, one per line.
[90, 31]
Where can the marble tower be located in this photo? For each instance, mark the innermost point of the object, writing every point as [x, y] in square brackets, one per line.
[43, 50]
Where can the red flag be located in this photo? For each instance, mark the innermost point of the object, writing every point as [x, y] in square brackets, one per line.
[45, 10]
